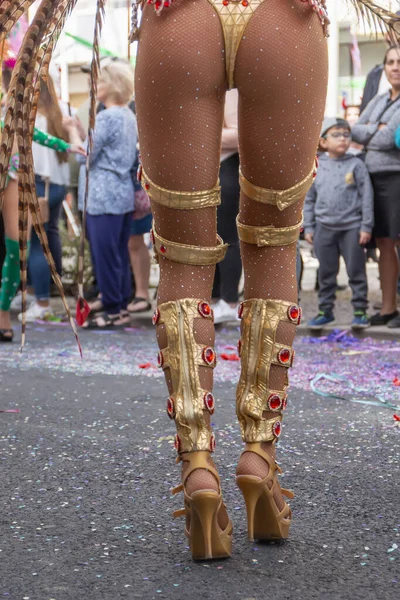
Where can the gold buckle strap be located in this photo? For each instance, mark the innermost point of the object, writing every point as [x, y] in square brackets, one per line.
[181, 200]
[268, 236]
[280, 198]
[189, 255]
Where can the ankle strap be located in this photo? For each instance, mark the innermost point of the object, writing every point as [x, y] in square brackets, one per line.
[181, 200]
[280, 198]
[186, 254]
[268, 236]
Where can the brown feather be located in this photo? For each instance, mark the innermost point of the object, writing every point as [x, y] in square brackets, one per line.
[376, 16]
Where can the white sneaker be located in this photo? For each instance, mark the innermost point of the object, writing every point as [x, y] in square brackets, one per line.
[36, 312]
[16, 304]
[224, 313]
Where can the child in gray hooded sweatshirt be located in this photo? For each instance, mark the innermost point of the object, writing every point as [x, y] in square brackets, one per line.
[338, 220]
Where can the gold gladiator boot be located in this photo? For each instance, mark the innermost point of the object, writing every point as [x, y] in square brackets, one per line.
[259, 350]
[189, 405]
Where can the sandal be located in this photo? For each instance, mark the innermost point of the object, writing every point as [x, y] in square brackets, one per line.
[264, 519]
[6, 335]
[104, 321]
[207, 540]
[137, 300]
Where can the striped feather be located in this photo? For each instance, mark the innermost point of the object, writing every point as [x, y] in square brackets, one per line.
[375, 16]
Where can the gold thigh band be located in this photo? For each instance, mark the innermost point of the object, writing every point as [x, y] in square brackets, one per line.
[268, 236]
[283, 198]
[186, 254]
[180, 200]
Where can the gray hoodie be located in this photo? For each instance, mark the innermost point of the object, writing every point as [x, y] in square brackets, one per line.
[341, 196]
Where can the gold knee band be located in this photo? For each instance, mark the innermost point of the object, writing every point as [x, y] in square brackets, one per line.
[188, 403]
[258, 350]
[181, 200]
[268, 236]
[188, 255]
[283, 198]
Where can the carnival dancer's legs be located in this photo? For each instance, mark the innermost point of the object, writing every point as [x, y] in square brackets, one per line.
[180, 87]
[281, 75]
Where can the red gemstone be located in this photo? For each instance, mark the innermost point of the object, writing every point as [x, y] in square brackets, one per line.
[155, 317]
[245, 3]
[170, 408]
[146, 186]
[239, 347]
[274, 402]
[294, 313]
[139, 173]
[163, 249]
[284, 403]
[160, 359]
[277, 429]
[209, 356]
[152, 237]
[166, 4]
[240, 310]
[212, 443]
[204, 309]
[177, 443]
[157, 5]
[209, 402]
[284, 356]
[225, 2]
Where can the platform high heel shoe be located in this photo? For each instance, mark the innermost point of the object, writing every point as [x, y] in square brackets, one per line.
[208, 528]
[259, 408]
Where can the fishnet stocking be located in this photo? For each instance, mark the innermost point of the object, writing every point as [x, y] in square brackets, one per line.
[281, 78]
[180, 83]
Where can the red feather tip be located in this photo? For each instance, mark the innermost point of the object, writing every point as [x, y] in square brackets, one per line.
[82, 311]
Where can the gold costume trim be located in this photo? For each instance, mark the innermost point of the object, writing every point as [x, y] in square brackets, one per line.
[234, 19]
[189, 255]
[268, 236]
[260, 321]
[181, 357]
[280, 198]
[181, 200]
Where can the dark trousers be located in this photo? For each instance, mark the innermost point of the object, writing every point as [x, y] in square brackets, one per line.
[329, 246]
[108, 237]
[39, 271]
[228, 272]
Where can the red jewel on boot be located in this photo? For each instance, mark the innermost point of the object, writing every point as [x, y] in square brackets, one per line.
[225, 2]
[209, 402]
[160, 359]
[212, 443]
[204, 309]
[156, 317]
[177, 443]
[208, 355]
[163, 249]
[245, 2]
[239, 347]
[240, 310]
[294, 314]
[284, 403]
[277, 429]
[152, 237]
[170, 408]
[284, 356]
[146, 186]
[274, 402]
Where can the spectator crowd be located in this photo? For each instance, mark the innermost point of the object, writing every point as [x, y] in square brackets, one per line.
[352, 208]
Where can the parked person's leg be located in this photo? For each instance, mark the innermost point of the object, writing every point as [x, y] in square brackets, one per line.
[140, 262]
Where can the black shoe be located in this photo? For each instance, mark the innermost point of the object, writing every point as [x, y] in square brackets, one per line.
[378, 319]
[393, 323]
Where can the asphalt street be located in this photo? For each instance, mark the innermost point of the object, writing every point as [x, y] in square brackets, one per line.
[87, 466]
